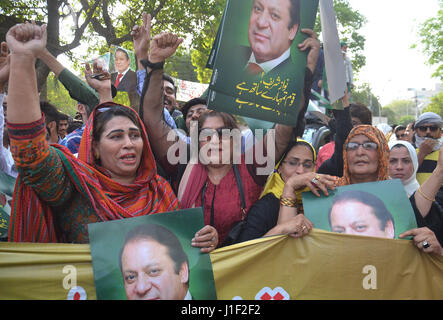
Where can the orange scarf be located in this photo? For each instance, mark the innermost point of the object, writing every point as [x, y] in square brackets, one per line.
[32, 220]
[376, 136]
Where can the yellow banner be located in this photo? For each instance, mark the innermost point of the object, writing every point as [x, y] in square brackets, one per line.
[322, 265]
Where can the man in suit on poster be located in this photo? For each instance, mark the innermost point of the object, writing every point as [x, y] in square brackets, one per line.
[154, 265]
[273, 25]
[125, 79]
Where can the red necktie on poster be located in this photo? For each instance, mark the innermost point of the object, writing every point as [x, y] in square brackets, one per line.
[117, 81]
[254, 69]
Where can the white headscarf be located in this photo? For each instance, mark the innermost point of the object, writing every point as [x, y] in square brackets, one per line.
[411, 184]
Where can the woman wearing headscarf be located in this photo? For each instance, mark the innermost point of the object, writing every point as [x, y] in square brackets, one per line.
[225, 189]
[366, 159]
[403, 165]
[280, 208]
[58, 195]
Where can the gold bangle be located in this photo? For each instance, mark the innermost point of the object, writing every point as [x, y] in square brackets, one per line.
[288, 202]
[424, 196]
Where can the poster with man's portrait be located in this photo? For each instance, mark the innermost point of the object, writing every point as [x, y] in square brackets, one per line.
[258, 70]
[123, 67]
[375, 209]
[151, 258]
[7, 184]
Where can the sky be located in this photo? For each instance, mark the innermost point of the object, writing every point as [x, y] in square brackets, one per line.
[391, 65]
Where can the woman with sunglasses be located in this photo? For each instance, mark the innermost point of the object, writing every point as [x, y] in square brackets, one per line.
[366, 159]
[225, 190]
[58, 195]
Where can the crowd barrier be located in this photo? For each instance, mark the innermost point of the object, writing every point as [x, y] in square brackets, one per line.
[321, 265]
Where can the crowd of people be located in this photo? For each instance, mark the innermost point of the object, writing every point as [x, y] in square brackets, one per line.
[114, 161]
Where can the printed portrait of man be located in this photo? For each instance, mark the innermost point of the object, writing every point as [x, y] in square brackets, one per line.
[361, 213]
[154, 265]
[273, 25]
[125, 79]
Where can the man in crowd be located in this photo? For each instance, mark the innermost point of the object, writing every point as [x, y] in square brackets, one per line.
[63, 125]
[125, 79]
[428, 141]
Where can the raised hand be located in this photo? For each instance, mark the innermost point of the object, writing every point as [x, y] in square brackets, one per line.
[141, 37]
[103, 84]
[4, 65]
[314, 45]
[27, 38]
[163, 46]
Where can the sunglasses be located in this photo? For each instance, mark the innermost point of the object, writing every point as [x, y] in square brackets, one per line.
[402, 135]
[207, 134]
[425, 128]
[366, 145]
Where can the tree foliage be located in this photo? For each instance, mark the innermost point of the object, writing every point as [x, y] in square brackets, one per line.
[399, 109]
[436, 105]
[431, 35]
[349, 22]
[97, 24]
[59, 96]
[363, 94]
[55, 13]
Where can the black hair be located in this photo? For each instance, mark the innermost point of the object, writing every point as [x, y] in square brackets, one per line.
[62, 116]
[398, 128]
[124, 51]
[161, 235]
[293, 144]
[112, 111]
[362, 112]
[50, 111]
[378, 207]
[188, 105]
[169, 79]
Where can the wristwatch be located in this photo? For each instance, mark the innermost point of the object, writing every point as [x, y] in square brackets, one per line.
[153, 66]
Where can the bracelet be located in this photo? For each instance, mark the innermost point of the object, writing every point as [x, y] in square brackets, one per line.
[153, 66]
[424, 196]
[288, 202]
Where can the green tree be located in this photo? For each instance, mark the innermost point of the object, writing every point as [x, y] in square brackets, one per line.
[191, 19]
[363, 94]
[388, 113]
[404, 120]
[349, 22]
[55, 13]
[59, 96]
[401, 108]
[436, 105]
[431, 35]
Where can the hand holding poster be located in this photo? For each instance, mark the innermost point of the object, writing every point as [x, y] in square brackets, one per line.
[151, 257]
[377, 209]
[259, 68]
[124, 76]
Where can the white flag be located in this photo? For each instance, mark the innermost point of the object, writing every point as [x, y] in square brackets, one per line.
[334, 61]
